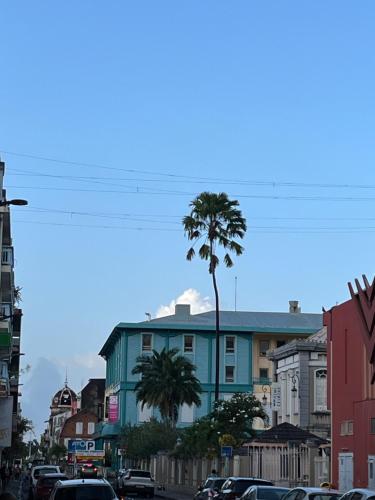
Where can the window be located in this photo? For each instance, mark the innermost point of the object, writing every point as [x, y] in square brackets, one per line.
[7, 256]
[187, 414]
[146, 341]
[346, 428]
[90, 427]
[372, 425]
[264, 346]
[188, 343]
[229, 374]
[320, 387]
[263, 373]
[145, 413]
[230, 343]
[280, 343]
[79, 428]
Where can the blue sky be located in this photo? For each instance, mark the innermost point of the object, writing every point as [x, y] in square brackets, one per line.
[264, 92]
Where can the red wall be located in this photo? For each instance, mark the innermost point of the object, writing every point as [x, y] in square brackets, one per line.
[350, 396]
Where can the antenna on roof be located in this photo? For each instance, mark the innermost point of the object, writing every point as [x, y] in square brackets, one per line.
[66, 377]
[235, 293]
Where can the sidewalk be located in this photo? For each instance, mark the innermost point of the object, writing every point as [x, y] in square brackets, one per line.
[176, 493]
[13, 487]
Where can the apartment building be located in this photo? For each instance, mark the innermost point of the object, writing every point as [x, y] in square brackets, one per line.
[10, 327]
[244, 341]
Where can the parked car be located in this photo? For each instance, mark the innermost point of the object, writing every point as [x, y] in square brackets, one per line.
[359, 494]
[78, 489]
[45, 485]
[234, 487]
[137, 481]
[211, 486]
[40, 470]
[264, 493]
[312, 494]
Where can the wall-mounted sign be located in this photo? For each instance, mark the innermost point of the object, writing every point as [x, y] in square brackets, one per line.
[81, 445]
[113, 408]
[276, 396]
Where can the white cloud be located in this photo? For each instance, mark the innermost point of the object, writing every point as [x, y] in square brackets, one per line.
[190, 296]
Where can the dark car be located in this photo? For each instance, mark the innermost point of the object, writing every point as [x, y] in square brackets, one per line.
[88, 471]
[234, 487]
[46, 483]
[211, 486]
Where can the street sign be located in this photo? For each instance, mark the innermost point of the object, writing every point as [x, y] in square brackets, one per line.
[226, 451]
[81, 445]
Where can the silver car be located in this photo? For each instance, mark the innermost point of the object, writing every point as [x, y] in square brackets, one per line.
[359, 494]
[265, 493]
[312, 494]
[82, 489]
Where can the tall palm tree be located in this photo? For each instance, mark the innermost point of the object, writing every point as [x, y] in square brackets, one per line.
[219, 222]
[167, 382]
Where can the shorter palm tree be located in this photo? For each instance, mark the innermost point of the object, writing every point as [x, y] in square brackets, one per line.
[167, 382]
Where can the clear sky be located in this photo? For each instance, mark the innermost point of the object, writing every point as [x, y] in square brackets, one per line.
[274, 100]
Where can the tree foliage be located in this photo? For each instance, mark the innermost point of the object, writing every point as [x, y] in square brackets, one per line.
[19, 448]
[229, 423]
[142, 441]
[57, 451]
[167, 382]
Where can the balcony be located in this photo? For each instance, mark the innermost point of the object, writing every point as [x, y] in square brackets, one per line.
[262, 381]
[5, 338]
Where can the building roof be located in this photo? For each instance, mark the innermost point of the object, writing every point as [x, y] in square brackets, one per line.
[233, 321]
[251, 320]
[285, 432]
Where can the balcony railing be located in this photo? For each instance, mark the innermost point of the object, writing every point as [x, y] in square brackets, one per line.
[262, 381]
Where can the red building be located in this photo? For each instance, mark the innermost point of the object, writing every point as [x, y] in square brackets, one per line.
[351, 392]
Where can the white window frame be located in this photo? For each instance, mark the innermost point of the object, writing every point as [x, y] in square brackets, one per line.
[7, 258]
[90, 428]
[79, 428]
[269, 347]
[234, 374]
[145, 414]
[320, 407]
[187, 414]
[193, 344]
[152, 342]
[234, 344]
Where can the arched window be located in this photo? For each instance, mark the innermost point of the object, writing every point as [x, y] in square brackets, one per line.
[320, 390]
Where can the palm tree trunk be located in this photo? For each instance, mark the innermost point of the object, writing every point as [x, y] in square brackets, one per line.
[217, 331]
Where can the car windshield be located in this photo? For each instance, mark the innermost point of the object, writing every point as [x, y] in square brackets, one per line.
[208, 483]
[139, 473]
[85, 492]
[271, 493]
[46, 470]
[323, 496]
[241, 485]
[218, 483]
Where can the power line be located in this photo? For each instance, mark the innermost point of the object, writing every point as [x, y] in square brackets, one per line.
[185, 177]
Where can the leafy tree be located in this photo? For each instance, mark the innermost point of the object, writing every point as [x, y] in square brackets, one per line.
[19, 448]
[229, 424]
[142, 441]
[57, 451]
[167, 382]
[218, 222]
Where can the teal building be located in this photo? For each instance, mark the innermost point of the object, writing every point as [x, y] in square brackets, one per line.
[245, 338]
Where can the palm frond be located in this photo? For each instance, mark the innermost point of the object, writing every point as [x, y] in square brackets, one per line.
[190, 254]
[227, 260]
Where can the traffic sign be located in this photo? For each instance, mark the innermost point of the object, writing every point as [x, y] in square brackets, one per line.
[226, 451]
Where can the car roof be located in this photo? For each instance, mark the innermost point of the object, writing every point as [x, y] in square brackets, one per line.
[216, 478]
[53, 474]
[365, 491]
[237, 478]
[317, 490]
[77, 482]
[267, 486]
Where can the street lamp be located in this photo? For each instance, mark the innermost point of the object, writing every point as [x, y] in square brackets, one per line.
[265, 390]
[16, 201]
[295, 379]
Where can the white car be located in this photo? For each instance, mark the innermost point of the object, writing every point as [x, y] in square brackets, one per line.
[359, 494]
[137, 481]
[82, 489]
[312, 494]
[39, 470]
